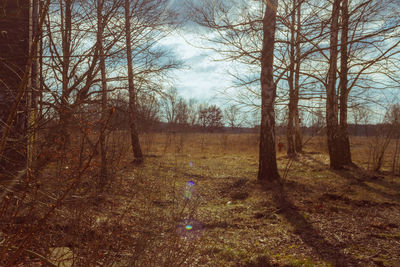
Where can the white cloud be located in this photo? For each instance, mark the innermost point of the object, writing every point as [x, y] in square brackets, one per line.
[203, 77]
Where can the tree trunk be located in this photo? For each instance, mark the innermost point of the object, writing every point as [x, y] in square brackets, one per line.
[268, 169]
[334, 146]
[33, 84]
[14, 50]
[292, 101]
[40, 63]
[297, 122]
[136, 149]
[337, 130]
[103, 146]
[65, 109]
[344, 92]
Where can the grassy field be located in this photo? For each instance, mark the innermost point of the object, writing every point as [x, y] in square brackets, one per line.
[202, 190]
[196, 202]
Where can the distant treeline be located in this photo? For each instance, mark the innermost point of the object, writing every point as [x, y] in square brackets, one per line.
[148, 122]
[354, 130]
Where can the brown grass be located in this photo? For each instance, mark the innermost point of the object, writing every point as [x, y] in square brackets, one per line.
[329, 218]
[318, 218]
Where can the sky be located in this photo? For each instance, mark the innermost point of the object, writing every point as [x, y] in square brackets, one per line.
[202, 77]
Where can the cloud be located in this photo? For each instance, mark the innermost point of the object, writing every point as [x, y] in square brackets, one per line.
[202, 77]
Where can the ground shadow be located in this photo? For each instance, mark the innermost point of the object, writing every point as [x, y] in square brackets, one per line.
[359, 177]
[356, 180]
[305, 230]
[314, 160]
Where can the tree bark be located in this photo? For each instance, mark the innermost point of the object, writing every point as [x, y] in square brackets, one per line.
[291, 151]
[337, 129]
[32, 88]
[344, 92]
[14, 54]
[293, 129]
[268, 169]
[66, 31]
[297, 122]
[331, 96]
[40, 63]
[136, 149]
[103, 146]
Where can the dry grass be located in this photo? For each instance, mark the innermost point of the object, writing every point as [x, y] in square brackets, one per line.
[327, 218]
[196, 202]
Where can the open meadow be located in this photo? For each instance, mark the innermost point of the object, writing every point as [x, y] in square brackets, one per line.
[163, 133]
[320, 218]
[196, 202]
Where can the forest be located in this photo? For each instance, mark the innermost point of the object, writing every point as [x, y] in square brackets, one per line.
[199, 133]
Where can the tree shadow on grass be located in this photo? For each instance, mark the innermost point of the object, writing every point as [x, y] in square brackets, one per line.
[315, 161]
[355, 179]
[305, 230]
[359, 177]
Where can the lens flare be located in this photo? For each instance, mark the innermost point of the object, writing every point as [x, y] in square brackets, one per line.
[189, 190]
[188, 194]
[190, 229]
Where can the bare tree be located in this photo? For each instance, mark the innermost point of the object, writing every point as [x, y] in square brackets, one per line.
[177, 111]
[192, 112]
[18, 45]
[248, 37]
[297, 120]
[294, 143]
[70, 67]
[136, 149]
[182, 114]
[210, 117]
[102, 61]
[169, 103]
[343, 74]
[354, 71]
[148, 108]
[14, 52]
[268, 169]
[233, 117]
[335, 149]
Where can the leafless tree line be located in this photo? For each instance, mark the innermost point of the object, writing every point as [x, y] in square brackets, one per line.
[83, 65]
[88, 51]
[63, 64]
[336, 51]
